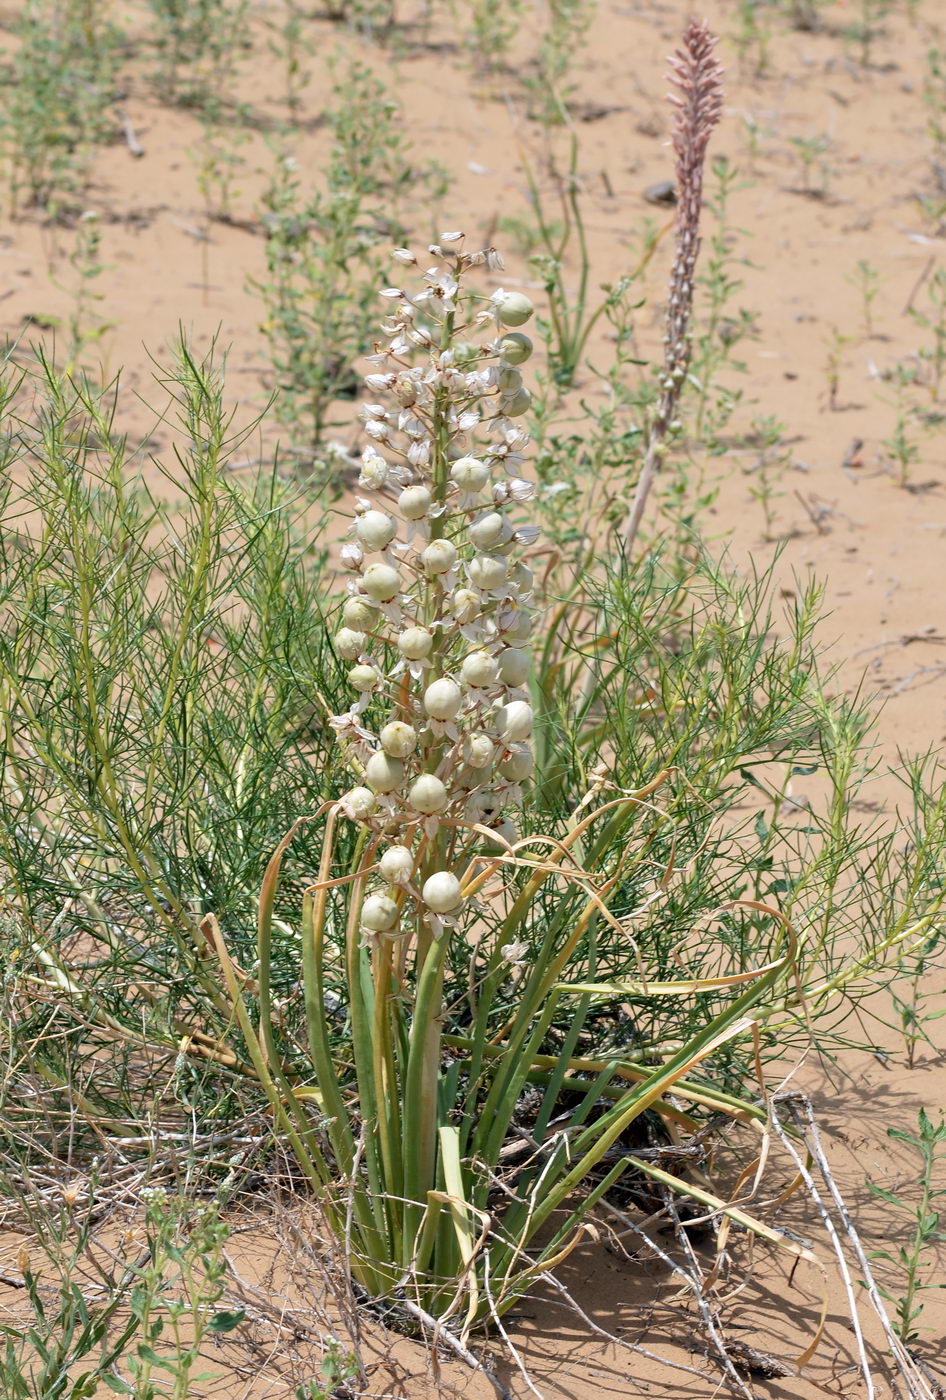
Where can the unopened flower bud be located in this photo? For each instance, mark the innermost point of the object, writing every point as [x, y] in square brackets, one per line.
[428, 794]
[469, 473]
[439, 557]
[509, 381]
[384, 773]
[487, 571]
[441, 892]
[514, 308]
[490, 530]
[514, 721]
[379, 913]
[479, 669]
[364, 677]
[349, 644]
[520, 402]
[414, 502]
[519, 765]
[397, 865]
[515, 348]
[514, 666]
[375, 529]
[398, 739]
[443, 698]
[360, 614]
[465, 605]
[381, 582]
[478, 750]
[358, 803]
[415, 643]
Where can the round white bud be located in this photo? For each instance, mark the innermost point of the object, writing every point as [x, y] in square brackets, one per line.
[439, 556]
[379, 913]
[465, 605]
[441, 892]
[515, 347]
[381, 582]
[479, 669]
[359, 803]
[443, 698]
[509, 380]
[517, 404]
[375, 529]
[361, 614]
[490, 530]
[515, 308]
[414, 643]
[349, 644]
[488, 571]
[514, 666]
[384, 773]
[469, 473]
[397, 865]
[478, 750]
[428, 794]
[514, 721]
[519, 765]
[414, 502]
[398, 739]
[363, 678]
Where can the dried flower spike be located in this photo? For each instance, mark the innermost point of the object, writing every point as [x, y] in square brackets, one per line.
[697, 76]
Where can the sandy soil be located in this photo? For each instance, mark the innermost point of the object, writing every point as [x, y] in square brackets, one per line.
[840, 514]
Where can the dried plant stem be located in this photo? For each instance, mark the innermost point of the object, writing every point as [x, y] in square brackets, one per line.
[696, 74]
[804, 1121]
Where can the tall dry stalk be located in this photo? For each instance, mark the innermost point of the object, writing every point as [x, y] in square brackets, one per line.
[697, 75]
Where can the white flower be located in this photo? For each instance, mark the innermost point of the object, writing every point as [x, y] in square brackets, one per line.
[490, 530]
[443, 699]
[414, 502]
[358, 803]
[465, 605]
[374, 470]
[380, 382]
[397, 865]
[404, 255]
[441, 892]
[375, 529]
[349, 644]
[439, 557]
[361, 614]
[398, 739]
[514, 666]
[487, 572]
[379, 913]
[478, 750]
[514, 721]
[381, 582]
[514, 347]
[428, 794]
[351, 555]
[479, 669]
[384, 773]
[415, 643]
[519, 764]
[364, 677]
[449, 238]
[512, 308]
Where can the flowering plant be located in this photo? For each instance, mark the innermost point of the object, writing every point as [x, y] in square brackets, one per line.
[420, 1152]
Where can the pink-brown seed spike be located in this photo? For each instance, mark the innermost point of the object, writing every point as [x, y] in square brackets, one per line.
[697, 77]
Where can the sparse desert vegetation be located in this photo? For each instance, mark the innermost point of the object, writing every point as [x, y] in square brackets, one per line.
[469, 925]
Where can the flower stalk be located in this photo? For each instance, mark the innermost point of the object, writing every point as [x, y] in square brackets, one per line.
[697, 76]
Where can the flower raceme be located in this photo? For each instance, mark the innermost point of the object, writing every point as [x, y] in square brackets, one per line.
[438, 612]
